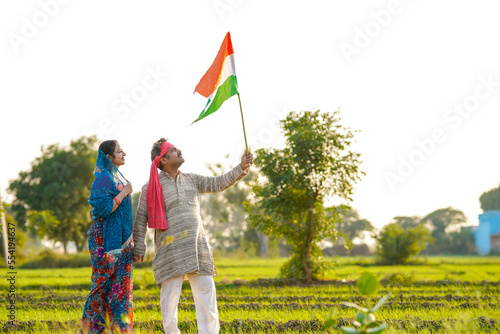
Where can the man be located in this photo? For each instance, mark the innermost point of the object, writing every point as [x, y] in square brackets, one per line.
[169, 203]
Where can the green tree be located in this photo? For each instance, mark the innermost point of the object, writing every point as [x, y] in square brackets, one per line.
[224, 214]
[350, 224]
[490, 200]
[315, 164]
[44, 224]
[395, 244]
[59, 181]
[461, 242]
[407, 221]
[441, 221]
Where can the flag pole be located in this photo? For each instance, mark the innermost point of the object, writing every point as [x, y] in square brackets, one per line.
[243, 122]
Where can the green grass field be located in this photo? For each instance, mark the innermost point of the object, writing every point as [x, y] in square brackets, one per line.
[438, 295]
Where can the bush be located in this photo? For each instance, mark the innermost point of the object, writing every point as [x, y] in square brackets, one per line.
[396, 245]
[397, 278]
[49, 259]
[294, 267]
[340, 250]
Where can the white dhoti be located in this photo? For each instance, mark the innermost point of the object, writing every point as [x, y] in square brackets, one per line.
[205, 301]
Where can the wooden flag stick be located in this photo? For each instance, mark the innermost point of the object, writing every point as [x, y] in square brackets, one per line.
[243, 122]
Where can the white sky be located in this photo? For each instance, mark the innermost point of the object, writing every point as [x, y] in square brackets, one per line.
[67, 78]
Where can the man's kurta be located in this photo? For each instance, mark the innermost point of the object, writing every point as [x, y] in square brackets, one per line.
[183, 248]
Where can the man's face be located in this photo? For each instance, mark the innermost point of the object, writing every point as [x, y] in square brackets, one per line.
[173, 158]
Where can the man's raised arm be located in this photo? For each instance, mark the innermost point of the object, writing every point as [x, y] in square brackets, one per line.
[213, 184]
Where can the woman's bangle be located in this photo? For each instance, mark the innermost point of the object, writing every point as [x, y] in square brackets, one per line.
[118, 202]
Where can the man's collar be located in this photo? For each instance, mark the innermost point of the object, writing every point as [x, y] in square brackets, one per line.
[167, 175]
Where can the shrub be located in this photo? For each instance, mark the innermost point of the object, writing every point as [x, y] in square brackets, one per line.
[49, 259]
[396, 245]
[340, 250]
[294, 267]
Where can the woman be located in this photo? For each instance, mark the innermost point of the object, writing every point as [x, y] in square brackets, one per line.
[109, 304]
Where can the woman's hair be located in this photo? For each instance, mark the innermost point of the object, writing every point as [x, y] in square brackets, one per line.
[156, 150]
[108, 147]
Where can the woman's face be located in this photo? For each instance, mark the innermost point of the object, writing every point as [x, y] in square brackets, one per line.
[119, 156]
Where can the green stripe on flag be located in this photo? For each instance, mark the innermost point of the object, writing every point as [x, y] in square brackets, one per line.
[224, 92]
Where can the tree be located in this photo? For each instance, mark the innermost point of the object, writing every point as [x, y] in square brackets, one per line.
[407, 221]
[396, 244]
[315, 164]
[44, 224]
[59, 181]
[490, 200]
[350, 224]
[461, 242]
[441, 221]
[225, 216]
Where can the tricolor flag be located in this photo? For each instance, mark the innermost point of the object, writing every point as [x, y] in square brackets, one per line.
[219, 83]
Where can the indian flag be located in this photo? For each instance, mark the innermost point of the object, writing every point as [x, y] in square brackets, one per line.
[219, 83]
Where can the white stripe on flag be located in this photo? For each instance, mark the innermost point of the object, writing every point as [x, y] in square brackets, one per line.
[227, 70]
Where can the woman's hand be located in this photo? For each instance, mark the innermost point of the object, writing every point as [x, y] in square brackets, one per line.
[127, 190]
[137, 258]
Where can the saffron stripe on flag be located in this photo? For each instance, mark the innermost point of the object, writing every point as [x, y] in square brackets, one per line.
[209, 82]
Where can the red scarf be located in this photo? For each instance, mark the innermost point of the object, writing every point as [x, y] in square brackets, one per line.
[156, 205]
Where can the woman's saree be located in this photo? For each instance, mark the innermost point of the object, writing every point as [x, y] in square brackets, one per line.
[109, 303]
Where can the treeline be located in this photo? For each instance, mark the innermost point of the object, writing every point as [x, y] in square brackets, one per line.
[50, 200]
[279, 209]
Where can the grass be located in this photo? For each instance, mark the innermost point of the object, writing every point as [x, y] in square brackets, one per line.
[434, 295]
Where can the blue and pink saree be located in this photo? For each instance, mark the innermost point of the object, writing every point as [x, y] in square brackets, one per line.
[109, 304]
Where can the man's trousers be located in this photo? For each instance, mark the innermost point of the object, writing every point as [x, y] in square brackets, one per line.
[203, 288]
